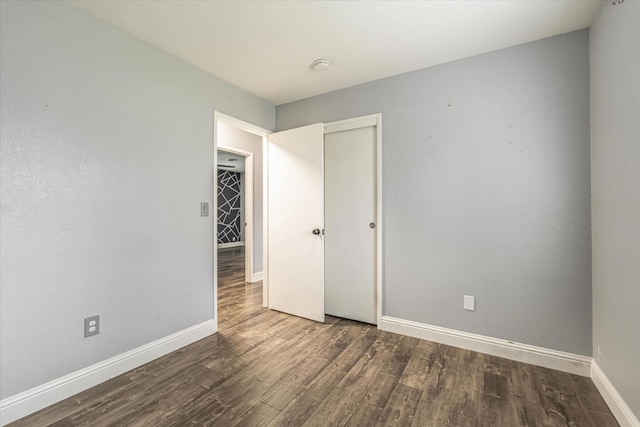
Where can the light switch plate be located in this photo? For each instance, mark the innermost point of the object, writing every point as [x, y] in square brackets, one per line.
[204, 209]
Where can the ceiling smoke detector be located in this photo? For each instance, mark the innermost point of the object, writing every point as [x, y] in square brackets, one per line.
[320, 65]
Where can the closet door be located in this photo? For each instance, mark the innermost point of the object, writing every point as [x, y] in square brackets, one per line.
[350, 223]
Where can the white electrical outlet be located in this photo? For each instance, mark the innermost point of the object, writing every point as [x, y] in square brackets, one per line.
[470, 303]
[91, 326]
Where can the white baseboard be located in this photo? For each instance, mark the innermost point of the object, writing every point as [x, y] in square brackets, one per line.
[553, 359]
[616, 403]
[30, 401]
[230, 245]
[256, 277]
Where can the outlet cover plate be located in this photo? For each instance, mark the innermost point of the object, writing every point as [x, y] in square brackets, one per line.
[470, 303]
[91, 326]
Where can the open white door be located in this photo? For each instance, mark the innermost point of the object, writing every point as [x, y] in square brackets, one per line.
[296, 222]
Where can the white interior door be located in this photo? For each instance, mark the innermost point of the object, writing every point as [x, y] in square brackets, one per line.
[350, 222]
[295, 209]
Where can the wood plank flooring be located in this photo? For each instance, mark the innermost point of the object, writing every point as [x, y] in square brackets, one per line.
[267, 368]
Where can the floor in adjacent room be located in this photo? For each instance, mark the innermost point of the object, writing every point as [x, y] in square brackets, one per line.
[268, 368]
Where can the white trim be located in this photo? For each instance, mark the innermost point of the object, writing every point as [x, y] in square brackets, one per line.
[214, 213]
[248, 216]
[379, 243]
[354, 123]
[241, 124]
[230, 245]
[20, 405]
[257, 277]
[265, 221]
[374, 120]
[553, 359]
[616, 403]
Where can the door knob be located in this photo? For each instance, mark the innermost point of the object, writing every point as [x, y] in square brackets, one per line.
[372, 225]
[316, 231]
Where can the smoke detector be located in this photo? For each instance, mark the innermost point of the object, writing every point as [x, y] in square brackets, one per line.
[320, 65]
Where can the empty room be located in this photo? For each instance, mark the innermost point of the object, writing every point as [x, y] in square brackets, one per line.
[411, 213]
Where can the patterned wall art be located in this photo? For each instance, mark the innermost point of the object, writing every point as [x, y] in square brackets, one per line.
[229, 209]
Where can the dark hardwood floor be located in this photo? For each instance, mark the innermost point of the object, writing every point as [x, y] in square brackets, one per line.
[267, 368]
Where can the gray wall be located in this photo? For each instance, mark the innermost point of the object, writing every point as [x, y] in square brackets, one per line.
[232, 137]
[106, 155]
[485, 190]
[615, 183]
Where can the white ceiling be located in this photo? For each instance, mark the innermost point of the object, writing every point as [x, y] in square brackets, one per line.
[267, 47]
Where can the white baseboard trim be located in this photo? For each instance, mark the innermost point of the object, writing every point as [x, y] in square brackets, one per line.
[256, 277]
[616, 403]
[553, 359]
[20, 405]
[230, 245]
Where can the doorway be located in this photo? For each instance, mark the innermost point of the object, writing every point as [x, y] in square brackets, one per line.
[234, 203]
[234, 211]
[244, 141]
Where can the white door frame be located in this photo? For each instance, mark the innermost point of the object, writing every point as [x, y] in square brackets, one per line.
[248, 208]
[253, 129]
[357, 123]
